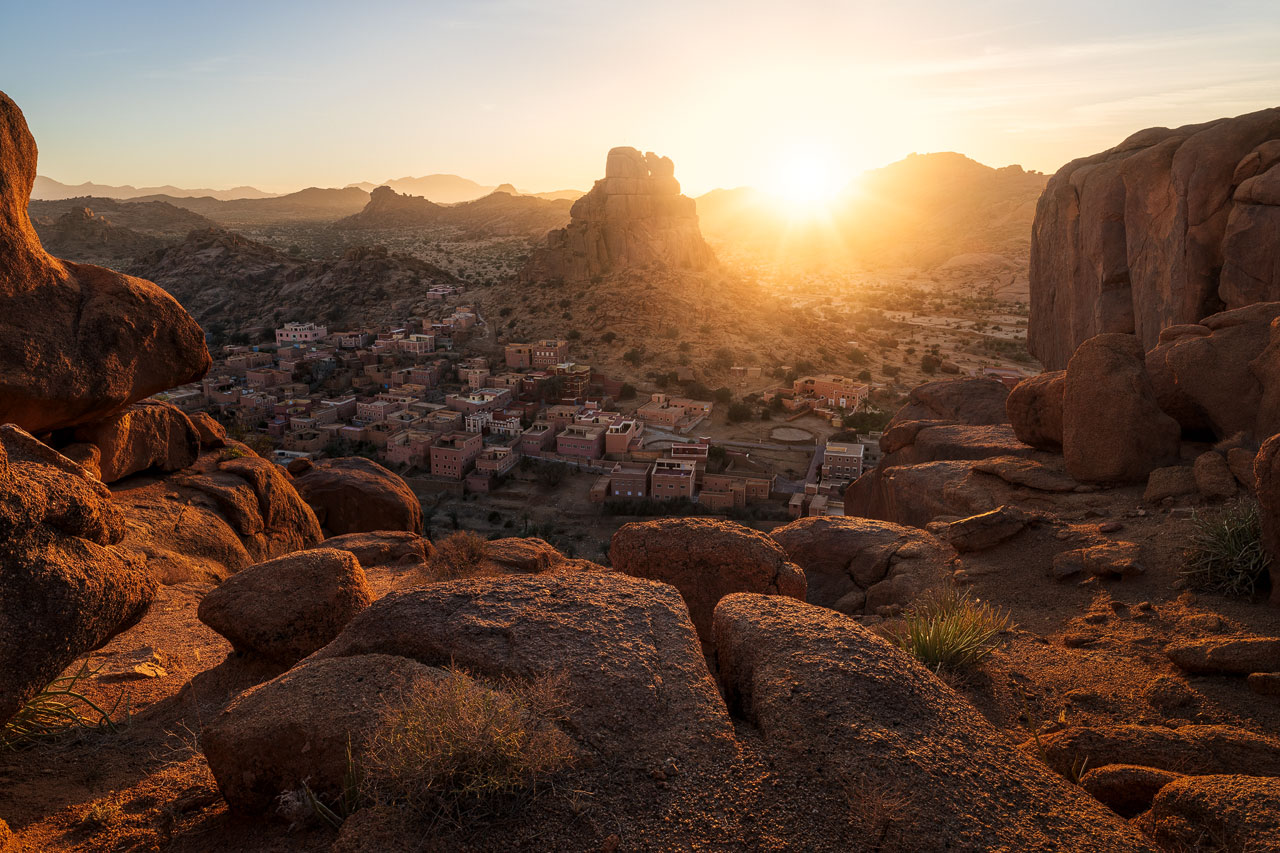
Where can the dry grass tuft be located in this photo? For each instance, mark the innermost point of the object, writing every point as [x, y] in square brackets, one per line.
[950, 630]
[1225, 554]
[463, 554]
[459, 747]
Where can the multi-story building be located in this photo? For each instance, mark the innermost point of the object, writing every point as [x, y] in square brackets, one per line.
[453, 453]
[417, 344]
[630, 480]
[300, 333]
[581, 440]
[481, 400]
[842, 461]
[622, 435]
[836, 390]
[672, 478]
[519, 356]
[537, 438]
[721, 491]
[548, 353]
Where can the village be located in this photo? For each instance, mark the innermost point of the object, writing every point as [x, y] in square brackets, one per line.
[416, 398]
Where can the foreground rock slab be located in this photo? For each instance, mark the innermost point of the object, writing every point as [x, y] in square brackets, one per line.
[836, 702]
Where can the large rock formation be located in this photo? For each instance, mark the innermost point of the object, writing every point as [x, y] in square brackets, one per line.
[65, 586]
[78, 342]
[634, 217]
[357, 495]
[1168, 227]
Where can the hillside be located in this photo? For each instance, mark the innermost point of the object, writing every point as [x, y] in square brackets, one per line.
[49, 189]
[156, 218]
[920, 211]
[313, 204]
[230, 281]
[496, 214]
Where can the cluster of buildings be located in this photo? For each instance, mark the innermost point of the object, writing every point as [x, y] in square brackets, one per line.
[680, 472]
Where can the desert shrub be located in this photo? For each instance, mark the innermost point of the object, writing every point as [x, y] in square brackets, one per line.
[949, 629]
[739, 412]
[462, 555]
[458, 745]
[1225, 553]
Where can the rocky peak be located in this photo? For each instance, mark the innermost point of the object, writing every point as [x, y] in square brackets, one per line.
[633, 217]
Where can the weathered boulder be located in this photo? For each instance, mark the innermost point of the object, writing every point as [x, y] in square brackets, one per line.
[65, 587]
[1240, 461]
[1174, 481]
[1230, 812]
[285, 609]
[840, 707]
[145, 435]
[705, 559]
[1264, 683]
[845, 559]
[78, 342]
[1226, 655]
[1113, 430]
[636, 681]
[384, 547]
[87, 456]
[976, 402]
[1194, 750]
[1166, 228]
[212, 434]
[914, 442]
[224, 513]
[1266, 473]
[635, 217]
[299, 726]
[530, 555]
[357, 495]
[1034, 408]
[986, 529]
[1213, 476]
[1127, 789]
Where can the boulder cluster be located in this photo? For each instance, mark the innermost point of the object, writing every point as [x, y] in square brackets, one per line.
[635, 217]
[1168, 227]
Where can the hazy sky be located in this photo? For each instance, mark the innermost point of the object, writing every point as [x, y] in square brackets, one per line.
[282, 95]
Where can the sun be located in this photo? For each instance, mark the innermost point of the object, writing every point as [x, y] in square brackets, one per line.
[806, 178]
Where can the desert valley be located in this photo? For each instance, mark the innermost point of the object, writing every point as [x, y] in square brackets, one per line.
[937, 508]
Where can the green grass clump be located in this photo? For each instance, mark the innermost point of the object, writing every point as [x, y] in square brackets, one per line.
[948, 629]
[459, 746]
[1225, 554]
[57, 710]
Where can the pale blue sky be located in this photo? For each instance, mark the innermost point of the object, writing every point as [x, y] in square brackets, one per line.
[288, 94]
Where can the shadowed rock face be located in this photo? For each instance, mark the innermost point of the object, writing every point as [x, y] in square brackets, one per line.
[1168, 227]
[78, 342]
[634, 217]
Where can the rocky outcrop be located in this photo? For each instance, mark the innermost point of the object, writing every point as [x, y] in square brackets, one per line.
[357, 495]
[65, 586]
[1113, 429]
[1226, 656]
[285, 609]
[855, 565]
[1127, 789]
[706, 560]
[1168, 227]
[635, 217]
[499, 213]
[888, 728]
[146, 435]
[78, 342]
[228, 511]
[1213, 377]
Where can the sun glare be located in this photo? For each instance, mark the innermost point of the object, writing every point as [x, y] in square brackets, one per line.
[806, 178]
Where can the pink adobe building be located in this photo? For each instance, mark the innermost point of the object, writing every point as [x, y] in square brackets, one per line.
[836, 390]
[300, 333]
[537, 438]
[453, 454]
[581, 440]
[672, 478]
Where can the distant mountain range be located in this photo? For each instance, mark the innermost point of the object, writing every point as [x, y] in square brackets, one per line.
[919, 211]
[442, 189]
[500, 213]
